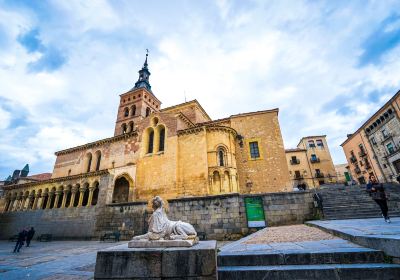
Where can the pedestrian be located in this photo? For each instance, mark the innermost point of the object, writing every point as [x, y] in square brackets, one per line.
[378, 194]
[20, 241]
[29, 236]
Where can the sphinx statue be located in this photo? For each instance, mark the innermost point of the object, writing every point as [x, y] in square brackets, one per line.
[162, 229]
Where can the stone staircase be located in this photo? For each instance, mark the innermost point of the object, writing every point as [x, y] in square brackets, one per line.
[351, 263]
[353, 202]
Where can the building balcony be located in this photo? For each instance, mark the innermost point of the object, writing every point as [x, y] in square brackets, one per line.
[353, 159]
[315, 160]
[357, 170]
[294, 161]
[362, 153]
[392, 151]
[319, 175]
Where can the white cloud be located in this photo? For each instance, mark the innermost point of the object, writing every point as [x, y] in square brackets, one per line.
[232, 56]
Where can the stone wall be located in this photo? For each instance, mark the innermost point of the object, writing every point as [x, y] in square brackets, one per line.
[221, 217]
[66, 223]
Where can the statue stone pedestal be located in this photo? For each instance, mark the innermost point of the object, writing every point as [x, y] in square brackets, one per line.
[120, 262]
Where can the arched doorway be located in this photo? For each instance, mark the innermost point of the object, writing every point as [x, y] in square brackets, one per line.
[121, 190]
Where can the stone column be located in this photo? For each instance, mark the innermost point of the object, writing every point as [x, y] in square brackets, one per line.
[81, 193]
[49, 200]
[5, 209]
[57, 198]
[73, 191]
[35, 202]
[24, 206]
[91, 190]
[12, 204]
[64, 200]
[21, 203]
[31, 198]
[16, 203]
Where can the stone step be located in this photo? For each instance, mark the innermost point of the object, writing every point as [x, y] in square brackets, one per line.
[367, 271]
[333, 256]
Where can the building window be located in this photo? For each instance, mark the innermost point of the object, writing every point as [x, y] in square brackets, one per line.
[123, 128]
[254, 151]
[88, 161]
[162, 140]
[314, 157]
[294, 160]
[221, 157]
[373, 141]
[311, 144]
[320, 143]
[390, 148]
[147, 111]
[133, 110]
[151, 142]
[98, 159]
[126, 112]
[384, 133]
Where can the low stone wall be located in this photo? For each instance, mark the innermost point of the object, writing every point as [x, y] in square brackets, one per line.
[221, 217]
[68, 223]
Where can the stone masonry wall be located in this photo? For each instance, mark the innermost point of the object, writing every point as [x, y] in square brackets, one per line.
[67, 223]
[221, 217]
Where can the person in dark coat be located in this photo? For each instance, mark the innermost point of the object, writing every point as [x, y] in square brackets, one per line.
[20, 241]
[377, 192]
[29, 236]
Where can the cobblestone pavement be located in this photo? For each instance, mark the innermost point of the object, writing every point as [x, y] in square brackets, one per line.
[295, 233]
[71, 260]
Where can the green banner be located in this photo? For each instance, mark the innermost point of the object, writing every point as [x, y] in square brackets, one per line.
[255, 212]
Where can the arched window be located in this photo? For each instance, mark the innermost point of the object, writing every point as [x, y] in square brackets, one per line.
[76, 200]
[98, 159]
[68, 197]
[161, 145]
[130, 127]
[147, 111]
[88, 161]
[85, 195]
[126, 112]
[123, 128]
[151, 142]
[52, 198]
[221, 155]
[121, 190]
[133, 110]
[95, 194]
[60, 198]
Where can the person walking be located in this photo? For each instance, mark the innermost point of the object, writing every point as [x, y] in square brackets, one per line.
[378, 194]
[20, 241]
[29, 236]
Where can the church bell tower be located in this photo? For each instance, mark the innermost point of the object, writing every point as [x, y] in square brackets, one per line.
[136, 104]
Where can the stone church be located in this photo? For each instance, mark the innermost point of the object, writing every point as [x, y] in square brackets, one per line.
[174, 152]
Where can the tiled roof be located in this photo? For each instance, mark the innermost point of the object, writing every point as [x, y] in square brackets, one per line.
[40, 177]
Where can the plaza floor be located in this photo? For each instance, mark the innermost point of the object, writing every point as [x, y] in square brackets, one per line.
[50, 260]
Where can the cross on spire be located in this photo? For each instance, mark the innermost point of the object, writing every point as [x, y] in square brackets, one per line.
[144, 74]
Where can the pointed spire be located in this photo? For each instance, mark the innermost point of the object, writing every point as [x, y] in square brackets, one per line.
[25, 171]
[145, 62]
[144, 74]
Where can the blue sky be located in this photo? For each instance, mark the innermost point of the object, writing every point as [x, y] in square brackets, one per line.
[327, 65]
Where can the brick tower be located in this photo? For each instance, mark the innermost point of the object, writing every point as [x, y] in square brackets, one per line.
[136, 104]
